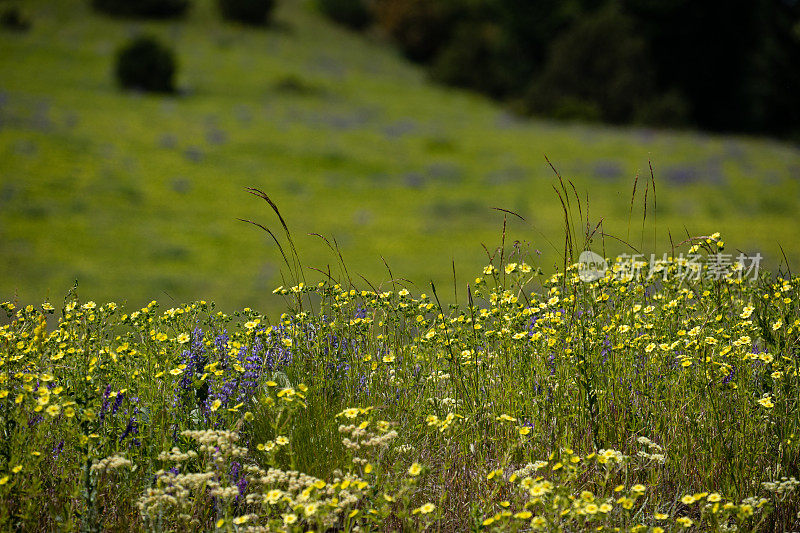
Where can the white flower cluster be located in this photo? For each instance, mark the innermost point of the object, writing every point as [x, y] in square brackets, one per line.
[359, 436]
[782, 487]
[110, 463]
[653, 452]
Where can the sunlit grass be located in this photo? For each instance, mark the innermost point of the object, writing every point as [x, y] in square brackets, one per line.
[137, 196]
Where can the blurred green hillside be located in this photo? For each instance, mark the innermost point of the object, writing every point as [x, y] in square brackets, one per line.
[137, 196]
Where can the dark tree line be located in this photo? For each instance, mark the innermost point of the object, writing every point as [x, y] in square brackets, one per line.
[731, 65]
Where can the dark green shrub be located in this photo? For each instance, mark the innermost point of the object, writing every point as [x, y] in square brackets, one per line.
[146, 64]
[571, 108]
[667, 110]
[354, 14]
[251, 12]
[419, 27]
[12, 19]
[142, 8]
[478, 56]
[599, 64]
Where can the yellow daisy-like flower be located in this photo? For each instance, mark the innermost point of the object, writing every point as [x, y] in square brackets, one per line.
[639, 488]
[714, 497]
[241, 519]
[660, 516]
[688, 500]
[523, 515]
[4, 480]
[281, 441]
[53, 410]
[685, 521]
[626, 503]
[289, 518]
[216, 405]
[425, 509]
[17, 469]
[183, 338]
[414, 469]
[220, 523]
[273, 496]
[350, 413]
[766, 401]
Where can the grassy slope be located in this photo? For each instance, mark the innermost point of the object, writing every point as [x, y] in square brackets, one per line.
[136, 195]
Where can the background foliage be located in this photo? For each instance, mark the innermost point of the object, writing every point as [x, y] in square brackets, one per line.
[137, 196]
[717, 65]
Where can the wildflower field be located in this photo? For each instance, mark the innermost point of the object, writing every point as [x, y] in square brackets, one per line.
[546, 403]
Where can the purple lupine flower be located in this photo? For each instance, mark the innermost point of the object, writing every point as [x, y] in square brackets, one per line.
[104, 407]
[57, 449]
[131, 429]
[117, 403]
[242, 486]
[727, 379]
[252, 372]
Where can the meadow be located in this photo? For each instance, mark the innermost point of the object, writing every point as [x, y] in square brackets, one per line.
[137, 196]
[401, 338]
[647, 399]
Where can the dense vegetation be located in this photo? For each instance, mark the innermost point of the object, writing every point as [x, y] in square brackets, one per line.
[717, 65]
[146, 64]
[652, 396]
[137, 196]
[653, 402]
